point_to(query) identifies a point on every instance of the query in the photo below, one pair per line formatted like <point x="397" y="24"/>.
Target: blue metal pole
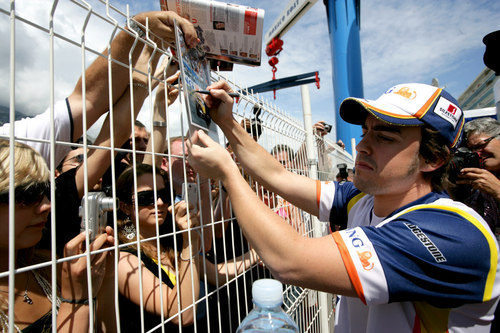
<point x="343" y="25"/>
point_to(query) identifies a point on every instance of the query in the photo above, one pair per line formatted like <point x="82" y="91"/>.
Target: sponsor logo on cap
<point x="405" y="92"/>
<point x="452" y="109"/>
<point x="448" y="111"/>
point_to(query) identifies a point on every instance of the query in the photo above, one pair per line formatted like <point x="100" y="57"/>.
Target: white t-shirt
<point x="431" y="266"/>
<point x="38" y="128"/>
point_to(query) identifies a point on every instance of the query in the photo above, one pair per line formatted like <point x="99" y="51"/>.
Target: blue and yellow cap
<point x="411" y="104"/>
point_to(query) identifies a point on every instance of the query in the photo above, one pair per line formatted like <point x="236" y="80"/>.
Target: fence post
<point x="319" y="229"/>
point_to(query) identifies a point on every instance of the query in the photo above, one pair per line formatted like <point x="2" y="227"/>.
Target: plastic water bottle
<point x="267" y="315"/>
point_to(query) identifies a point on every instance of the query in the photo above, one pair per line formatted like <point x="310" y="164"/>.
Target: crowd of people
<point x="404" y="257"/>
<point x="163" y="241"/>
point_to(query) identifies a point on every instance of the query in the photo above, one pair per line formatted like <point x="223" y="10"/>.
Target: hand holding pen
<point x="207" y="92"/>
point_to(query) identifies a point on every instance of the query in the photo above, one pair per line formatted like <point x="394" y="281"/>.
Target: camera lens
<point x="463" y="158"/>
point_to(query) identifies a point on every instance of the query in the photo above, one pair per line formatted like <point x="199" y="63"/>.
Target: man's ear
<point x="429" y="166"/>
<point x="164" y="164"/>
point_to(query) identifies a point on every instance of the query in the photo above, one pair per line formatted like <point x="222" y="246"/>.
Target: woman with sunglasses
<point x="174" y="255"/>
<point x="32" y="290"/>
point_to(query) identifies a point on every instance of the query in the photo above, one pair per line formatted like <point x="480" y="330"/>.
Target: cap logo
<point x="406" y="93"/>
<point x="448" y="111"/>
<point x="452" y="109"/>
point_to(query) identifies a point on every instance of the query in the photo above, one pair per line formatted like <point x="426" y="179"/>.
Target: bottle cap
<point x="267" y="292"/>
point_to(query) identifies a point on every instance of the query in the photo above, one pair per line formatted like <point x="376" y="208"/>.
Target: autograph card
<point x="195" y="75"/>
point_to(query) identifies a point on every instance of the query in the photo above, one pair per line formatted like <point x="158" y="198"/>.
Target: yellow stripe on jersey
<point x="354" y="200"/>
<point x="490" y="280"/>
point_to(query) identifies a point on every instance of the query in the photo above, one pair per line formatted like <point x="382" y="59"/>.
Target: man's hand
<point x="173" y="92"/>
<point x="482" y="180"/>
<point x="210" y="162"/>
<point x="171" y="68"/>
<point x="219" y="102"/>
<point x="161" y="23"/>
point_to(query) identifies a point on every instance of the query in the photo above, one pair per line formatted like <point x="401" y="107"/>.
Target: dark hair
<point x="253" y="127"/>
<point x="125" y="183"/>
<point x="433" y="148"/>
<point x="283" y="148"/>
<point x="124" y="192"/>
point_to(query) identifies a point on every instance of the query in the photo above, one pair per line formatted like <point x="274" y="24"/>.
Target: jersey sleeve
<point x="38" y="128"/>
<point x="444" y="257"/>
<point x="334" y="200"/>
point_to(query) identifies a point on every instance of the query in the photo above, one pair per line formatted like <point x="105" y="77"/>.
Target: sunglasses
<point x="29" y="194"/>
<point x="483" y="145"/>
<point x="147" y="198"/>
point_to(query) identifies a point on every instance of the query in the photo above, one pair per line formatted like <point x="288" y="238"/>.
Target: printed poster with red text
<point x="227" y="32"/>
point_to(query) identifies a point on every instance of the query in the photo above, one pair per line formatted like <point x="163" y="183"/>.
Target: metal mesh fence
<point x="167" y="270"/>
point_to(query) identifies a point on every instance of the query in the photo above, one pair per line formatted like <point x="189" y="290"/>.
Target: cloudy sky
<point x="401" y="41"/>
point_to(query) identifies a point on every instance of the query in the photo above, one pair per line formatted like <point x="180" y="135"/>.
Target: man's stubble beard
<point x="369" y="187"/>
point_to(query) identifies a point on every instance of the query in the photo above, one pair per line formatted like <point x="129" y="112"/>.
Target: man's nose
<point x="364" y="145"/>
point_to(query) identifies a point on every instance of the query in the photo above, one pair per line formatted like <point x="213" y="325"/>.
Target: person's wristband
<point x="140" y="85"/>
<point x="188" y="259"/>
<point x="84" y="301"/>
<point x="159" y="123"/>
<point x="135" y="27"/>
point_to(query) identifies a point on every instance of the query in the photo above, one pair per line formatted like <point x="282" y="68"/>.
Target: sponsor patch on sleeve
<point x="367" y="263"/>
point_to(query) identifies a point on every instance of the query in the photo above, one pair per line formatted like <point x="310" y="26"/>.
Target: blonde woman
<point x="32" y="290"/>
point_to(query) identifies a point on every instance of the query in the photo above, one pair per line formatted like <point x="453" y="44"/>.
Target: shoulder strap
<point x="151" y="264"/>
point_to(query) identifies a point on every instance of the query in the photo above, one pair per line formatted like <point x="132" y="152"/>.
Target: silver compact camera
<point x="98" y="204"/>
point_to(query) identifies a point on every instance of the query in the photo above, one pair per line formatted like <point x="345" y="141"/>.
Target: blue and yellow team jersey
<point x="430" y="266"/>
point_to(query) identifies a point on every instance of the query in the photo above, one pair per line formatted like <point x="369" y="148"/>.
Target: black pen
<point x="206" y="92"/>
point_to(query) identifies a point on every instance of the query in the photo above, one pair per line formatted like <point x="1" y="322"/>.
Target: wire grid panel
<point x="329" y="156"/>
<point x="167" y="270"/>
<point x="284" y="137"/>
